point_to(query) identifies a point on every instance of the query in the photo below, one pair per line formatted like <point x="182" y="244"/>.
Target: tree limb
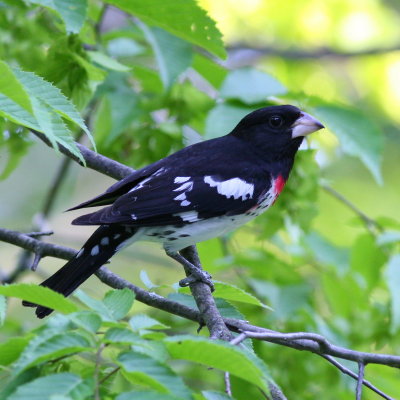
<point x="312" y="342"/>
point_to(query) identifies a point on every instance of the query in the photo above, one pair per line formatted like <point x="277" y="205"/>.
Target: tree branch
<point x="303" y="54"/>
<point x="312" y="342"/>
<point x="93" y="160"/>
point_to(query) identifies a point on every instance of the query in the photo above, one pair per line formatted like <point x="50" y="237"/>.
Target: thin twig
<point x="109" y="375"/>
<point x="347" y="371"/>
<point x="360" y="380"/>
<point x="369" y="222"/>
<point x="97" y="372"/>
<point x="228" y="388"/>
<point x="303" y="54"/>
<point x="36" y="234"/>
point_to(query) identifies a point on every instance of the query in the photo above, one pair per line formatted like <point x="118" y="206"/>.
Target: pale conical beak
<point x="304" y="125"/>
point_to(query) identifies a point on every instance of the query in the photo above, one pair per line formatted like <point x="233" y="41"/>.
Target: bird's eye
<point x="276" y="121"/>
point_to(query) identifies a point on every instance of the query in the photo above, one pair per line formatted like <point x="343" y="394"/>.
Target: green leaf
<point x="144" y="370"/>
<point x="211" y="395"/>
<point x="393" y="282"/>
<point x="3" y="309"/>
<point x="73" y="12"/>
<point x="39" y="295"/>
<point x="95" y="305"/>
<point x="52" y="96"/>
<point x="234" y="293"/>
<point x="221" y="355"/>
<point x="388" y="237"/>
<point x="173" y="55"/>
<point x="47" y="387"/>
<point x="146" y="280"/>
<point x="107" y="62"/>
<point x="119" y="302"/>
<point x="367" y="259"/>
<point x="145" y="395"/>
<point x="142" y="321"/>
<point x="54" y="128"/>
<point x="358" y="135"/>
<point x="10" y="87"/>
<point x="328" y="253"/>
<point x="210" y="70"/>
<point x="223" y="118"/>
<point x="121" y="335"/>
<point x="250" y="86"/>
<point x="51" y="344"/>
<point x="88" y="320"/>
<point x="183" y="18"/>
<point x="11" y="349"/>
<point x="16" y="146"/>
<point x="15" y="113"/>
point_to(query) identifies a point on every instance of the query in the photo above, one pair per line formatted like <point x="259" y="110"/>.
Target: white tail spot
<point x="95" y="250"/>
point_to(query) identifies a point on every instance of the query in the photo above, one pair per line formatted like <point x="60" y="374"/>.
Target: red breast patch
<point x="279" y="184"/>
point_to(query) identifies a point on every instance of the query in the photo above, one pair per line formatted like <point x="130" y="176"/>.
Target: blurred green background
<point x="311" y="258"/>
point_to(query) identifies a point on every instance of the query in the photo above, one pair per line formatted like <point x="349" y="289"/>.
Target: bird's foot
<point x="195" y="273"/>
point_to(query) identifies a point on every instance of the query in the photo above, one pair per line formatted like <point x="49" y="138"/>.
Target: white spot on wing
<point x="188" y="216"/>
<point x="182" y="196"/>
<point x="105" y="241"/>
<point x="185" y="203"/>
<point x="133" y="216"/>
<point x="181" y="179"/>
<point x="116" y="236"/>
<point x="95" y="250"/>
<point x="234" y="187"/>
<point x="188" y="186"/>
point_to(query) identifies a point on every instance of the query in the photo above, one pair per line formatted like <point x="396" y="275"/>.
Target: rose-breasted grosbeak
<point x="195" y="194"/>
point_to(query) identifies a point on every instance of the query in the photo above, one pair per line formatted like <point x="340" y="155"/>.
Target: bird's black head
<point x="276" y="132"/>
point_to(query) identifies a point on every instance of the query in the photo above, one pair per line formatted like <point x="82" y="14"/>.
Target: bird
<point x="197" y="193"/>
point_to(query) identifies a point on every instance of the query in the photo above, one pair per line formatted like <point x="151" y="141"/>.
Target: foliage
<point x="147" y="82"/>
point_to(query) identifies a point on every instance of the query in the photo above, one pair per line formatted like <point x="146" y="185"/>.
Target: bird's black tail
<point x="98" y="249"/>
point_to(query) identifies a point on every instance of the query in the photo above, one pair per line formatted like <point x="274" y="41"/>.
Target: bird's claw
<point x="197" y="275"/>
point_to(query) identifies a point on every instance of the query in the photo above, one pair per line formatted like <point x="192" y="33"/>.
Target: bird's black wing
<point x="121" y="187"/>
<point x="168" y="197"/>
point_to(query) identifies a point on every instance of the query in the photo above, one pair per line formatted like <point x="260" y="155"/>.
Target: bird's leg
<point x="195" y="273"/>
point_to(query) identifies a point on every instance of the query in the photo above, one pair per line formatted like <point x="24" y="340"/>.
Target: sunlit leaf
<point x="223" y="118"/>
<point x="11" y="87"/>
<point x="11" y="349"/>
<point x="73" y="12"/>
<point x="173" y="54"/>
<point x="358" y="134"/>
<point x="183" y="18"/>
<point x="250" y="86"/>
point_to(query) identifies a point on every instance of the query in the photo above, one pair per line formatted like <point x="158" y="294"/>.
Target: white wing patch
<point x="144" y="181"/>
<point x="186" y="186"/>
<point x="188" y="216"/>
<point x="234" y="187"/>
<point x="181" y="179"/>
